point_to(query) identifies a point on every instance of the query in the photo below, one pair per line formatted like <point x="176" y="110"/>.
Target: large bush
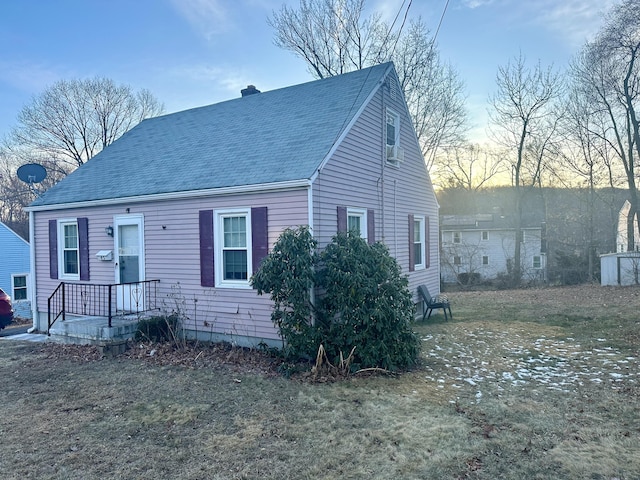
<point x="287" y="273"/>
<point x="362" y="300"/>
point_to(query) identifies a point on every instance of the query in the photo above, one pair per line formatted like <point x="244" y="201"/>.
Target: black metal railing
<point x="102" y="300"/>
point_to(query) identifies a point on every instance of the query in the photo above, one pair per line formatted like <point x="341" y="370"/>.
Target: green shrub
<point x="363" y="300"/>
<point x="366" y="305"/>
<point x="287" y="273"/>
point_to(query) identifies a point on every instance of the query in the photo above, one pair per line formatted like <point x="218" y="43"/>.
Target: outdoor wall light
<point x="109" y="230"/>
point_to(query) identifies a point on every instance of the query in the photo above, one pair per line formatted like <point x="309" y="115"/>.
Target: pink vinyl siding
<point x="172" y="255"/>
<point x="358" y="176"/>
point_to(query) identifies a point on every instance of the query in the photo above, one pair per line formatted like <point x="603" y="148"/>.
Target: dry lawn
<point x="521" y="385"/>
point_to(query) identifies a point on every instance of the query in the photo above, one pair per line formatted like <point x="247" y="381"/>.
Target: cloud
<point x="207" y="17"/>
<point x="477" y="3"/>
<point x="575" y="20"/>
<point x="29" y="77"/>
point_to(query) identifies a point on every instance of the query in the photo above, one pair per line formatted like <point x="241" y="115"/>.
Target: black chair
<point x="433" y="303"/>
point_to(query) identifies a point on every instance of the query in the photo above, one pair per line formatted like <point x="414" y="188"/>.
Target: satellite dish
<point x="32" y="173"/>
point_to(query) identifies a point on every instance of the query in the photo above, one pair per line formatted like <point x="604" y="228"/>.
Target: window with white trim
<point x="19" y="287"/>
<point x="233" y="247"/>
<point x="537" y="261"/>
<point x="69" y="250"/>
<point x="393" y="136"/>
<point x="485" y="260"/>
<point x="456" y="237"/>
<point x="457" y="260"/>
<point x="485" y="235"/>
<point x="419" y="254"/>
<point x="357" y="221"/>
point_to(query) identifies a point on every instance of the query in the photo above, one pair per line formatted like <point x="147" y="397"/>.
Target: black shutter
<point x="53" y="249"/>
<point x="259" y="236"/>
<point x="342" y="219"/>
<point x="207" y="276"/>
<point x="412" y="255"/>
<point x="427" y="243"/>
<point x="83" y="248"/>
<point x="371" y="226"/>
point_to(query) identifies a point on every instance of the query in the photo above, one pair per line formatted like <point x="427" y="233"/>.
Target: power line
<point x="446" y="5"/>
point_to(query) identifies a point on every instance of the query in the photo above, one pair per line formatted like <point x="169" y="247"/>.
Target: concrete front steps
<point x="85" y="330"/>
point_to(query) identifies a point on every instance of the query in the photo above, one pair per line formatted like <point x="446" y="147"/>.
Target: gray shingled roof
<point x="276" y="136"/>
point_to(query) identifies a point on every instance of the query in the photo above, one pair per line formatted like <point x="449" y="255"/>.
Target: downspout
<point x="383" y="151"/>
<point x="32" y="274"/>
<point x="312" y="290"/>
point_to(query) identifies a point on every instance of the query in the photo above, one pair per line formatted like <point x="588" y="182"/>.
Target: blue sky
<point x="191" y="53"/>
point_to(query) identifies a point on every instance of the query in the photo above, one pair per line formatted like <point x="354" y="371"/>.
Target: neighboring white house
<point x="14" y="270"/>
<point x="479" y="247"/>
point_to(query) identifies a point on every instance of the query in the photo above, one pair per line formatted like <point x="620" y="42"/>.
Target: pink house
<point x="178" y="213"/>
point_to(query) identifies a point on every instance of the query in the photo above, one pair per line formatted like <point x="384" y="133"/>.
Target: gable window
<point x="456" y="237"/>
<point x="485" y="235"/>
<point x="537" y="261"/>
<point x="19" y="287"/>
<point x="419" y="243"/>
<point x="69" y="250"/>
<point x="393" y="137"/>
<point x="485" y="260"/>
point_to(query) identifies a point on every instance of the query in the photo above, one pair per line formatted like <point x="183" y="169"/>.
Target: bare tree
<point x="524" y="120"/>
<point x="332" y="37"/>
<point x="608" y="73"/>
<point x="469" y="166"/>
<point x="73" y="120"/>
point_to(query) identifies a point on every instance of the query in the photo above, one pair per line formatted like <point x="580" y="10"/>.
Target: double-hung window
<point x="69" y="250"/>
<point x="393" y="136"/>
<point x="537" y="261"/>
<point x="234" y="247"/>
<point x="419" y="242"/>
<point x="456" y="237"/>
<point x="357" y="221"/>
<point x="19" y="287"/>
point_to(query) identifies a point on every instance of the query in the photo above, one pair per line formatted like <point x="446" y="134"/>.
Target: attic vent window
<point x="250" y="90"/>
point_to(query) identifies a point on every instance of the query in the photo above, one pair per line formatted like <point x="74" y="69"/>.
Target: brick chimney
<point x="250" y="90"/>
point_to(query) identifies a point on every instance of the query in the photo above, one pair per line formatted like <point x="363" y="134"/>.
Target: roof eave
<point x="192" y="194"/>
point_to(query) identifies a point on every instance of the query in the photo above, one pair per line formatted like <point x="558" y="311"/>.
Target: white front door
<point x="129" y="265"/>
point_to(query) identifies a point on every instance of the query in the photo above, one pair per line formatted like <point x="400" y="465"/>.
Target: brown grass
<point x="521" y="384"/>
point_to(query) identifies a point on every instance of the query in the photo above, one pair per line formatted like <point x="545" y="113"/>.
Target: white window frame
<point x="456" y="237"/>
<point x="483" y="260"/>
<point x="392" y="148"/>
<point x="61" y="249"/>
<point x="26" y="287"/>
<point x="361" y="214"/>
<point x="533" y="262"/>
<point x="419" y="225"/>
<point x="219" y="216"/>
<point x="484" y="235"/>
<point x="457" y="260"/>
